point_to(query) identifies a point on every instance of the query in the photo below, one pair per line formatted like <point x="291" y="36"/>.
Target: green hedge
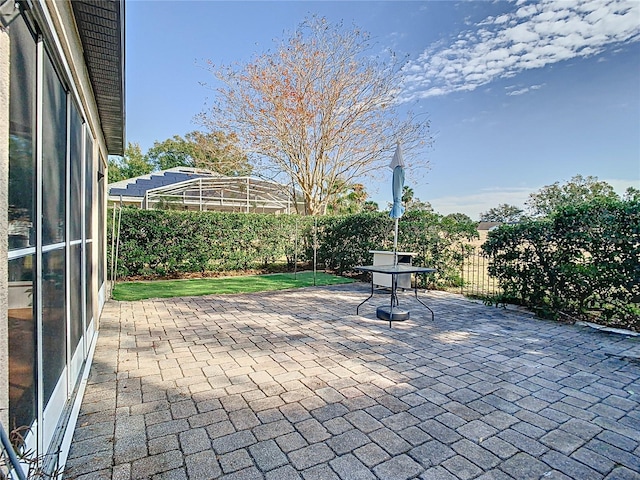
<point x="165" y="242"/>
<point x="438" y="241"/>
<point x="583" y="261"/>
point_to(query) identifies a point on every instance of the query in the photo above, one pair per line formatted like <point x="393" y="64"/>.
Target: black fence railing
<point x="474" y="272"/>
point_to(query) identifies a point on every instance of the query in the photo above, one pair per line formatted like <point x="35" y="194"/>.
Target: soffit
<point x="101" y="27"/>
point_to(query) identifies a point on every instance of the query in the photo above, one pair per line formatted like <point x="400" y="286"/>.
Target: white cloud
<point x="531" y="36"/>
<point x="522" y="91"/>
<point x="620" y="186"/>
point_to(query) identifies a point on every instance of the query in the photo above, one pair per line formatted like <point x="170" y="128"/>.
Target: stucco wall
<point x="4" y="187"/>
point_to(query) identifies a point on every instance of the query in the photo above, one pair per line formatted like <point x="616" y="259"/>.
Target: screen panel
<point x="54" y="140"/>
<point x="54" y="324"/>
<point x="22" y="342"/>
<point x="21" y="135"/>
<point x="75" y="174"/>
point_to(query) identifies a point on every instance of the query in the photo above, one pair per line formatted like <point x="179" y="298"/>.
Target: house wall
<point x="58" y="297"/>
<point x="4" y="173"/>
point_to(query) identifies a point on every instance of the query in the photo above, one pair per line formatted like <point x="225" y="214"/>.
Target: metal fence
<point x="474" y="272"/>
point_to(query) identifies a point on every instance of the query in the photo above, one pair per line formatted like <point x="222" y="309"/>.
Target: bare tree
<point x="320" y="109"/>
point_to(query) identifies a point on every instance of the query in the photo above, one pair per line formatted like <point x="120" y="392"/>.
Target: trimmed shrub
<point x="583" y="261"/>
<point x="166" y="243"/>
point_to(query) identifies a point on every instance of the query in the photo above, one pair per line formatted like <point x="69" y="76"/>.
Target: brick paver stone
<point x="401" y="467"/>
<point x="268" y="455"/>
<point x="347" y="442"/>
<point x="234" y="461"/>
<point x="463" y="468"/>
<point x="310" y="456"/>
<point x="234" y="441"/>
<point x="371" y="454"/>
<point x="349" y="467"/>
<point x="523" y="465"/>
<point x="320" y="472"/>
<point x="312" y="430"/>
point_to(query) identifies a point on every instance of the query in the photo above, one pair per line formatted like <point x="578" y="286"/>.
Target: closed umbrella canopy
<point x="397" y="164"/>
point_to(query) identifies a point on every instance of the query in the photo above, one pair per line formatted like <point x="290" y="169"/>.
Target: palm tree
<point x="407" y="195"/>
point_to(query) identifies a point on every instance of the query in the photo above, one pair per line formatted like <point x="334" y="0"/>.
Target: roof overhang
<point x="101" y="27"/>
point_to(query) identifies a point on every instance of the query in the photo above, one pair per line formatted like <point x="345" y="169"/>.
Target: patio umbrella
<point x="397" y="165"/>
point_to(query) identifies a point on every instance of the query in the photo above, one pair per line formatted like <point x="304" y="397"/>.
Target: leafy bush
<point x="582" y="261"/>
<point x="346" y="241"/>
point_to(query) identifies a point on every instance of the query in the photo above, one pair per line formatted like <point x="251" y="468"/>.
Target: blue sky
<point x="519" y="95"/>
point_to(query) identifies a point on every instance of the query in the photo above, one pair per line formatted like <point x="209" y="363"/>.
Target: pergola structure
<point x="193" y="189"/>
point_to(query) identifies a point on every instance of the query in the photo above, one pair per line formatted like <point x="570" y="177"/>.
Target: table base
<point x="397" y="315"/>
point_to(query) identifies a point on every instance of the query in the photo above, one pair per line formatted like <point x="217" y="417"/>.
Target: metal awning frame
<point x="240" y="194"/>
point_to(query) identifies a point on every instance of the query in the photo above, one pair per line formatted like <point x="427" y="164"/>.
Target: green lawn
<point x="214" y="286"/>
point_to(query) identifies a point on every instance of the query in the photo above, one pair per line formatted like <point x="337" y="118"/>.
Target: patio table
<point x="394" y="271"/>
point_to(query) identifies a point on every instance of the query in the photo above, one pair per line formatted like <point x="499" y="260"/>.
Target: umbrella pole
<point x="395" y="244"/>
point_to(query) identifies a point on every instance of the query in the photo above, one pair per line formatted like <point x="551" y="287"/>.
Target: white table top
<point x="400" y="268"/>
<point x="387" y="252"/>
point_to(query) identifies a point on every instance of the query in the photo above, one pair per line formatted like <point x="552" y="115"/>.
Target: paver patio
<point x="292" y="384"/>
